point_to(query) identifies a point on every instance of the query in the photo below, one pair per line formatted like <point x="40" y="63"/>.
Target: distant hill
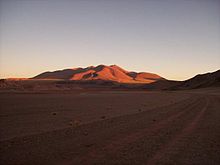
<point x="100" y="72"/>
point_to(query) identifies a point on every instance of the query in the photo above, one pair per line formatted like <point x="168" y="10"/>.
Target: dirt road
<point x="183" y="131"/>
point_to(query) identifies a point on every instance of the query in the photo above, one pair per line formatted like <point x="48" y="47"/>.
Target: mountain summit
<point x="101" y="72"/>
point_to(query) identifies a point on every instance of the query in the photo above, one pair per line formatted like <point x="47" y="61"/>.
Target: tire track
<point x="185" y="132"/>
<point x="119" y="142"/>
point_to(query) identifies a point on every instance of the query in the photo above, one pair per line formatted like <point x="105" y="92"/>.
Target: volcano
<point x="100" y="72"/>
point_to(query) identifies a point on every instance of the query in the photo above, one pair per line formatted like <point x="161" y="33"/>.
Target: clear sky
<point x="174" y="38"/>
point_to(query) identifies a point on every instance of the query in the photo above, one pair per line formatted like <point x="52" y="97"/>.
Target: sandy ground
<point x="181" y="127"/>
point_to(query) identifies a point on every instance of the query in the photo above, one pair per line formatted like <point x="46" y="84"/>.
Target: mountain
<point x="198" y="81"/>
<point x="101" y="72"/>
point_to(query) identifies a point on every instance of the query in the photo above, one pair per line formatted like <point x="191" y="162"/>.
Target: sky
<point x="176" y="39"/>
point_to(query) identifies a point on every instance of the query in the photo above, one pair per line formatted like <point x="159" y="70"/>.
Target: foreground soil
<point x="115" y="127"/>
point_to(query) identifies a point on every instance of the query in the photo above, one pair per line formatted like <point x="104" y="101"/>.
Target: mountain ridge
<point x="206" y="80"/>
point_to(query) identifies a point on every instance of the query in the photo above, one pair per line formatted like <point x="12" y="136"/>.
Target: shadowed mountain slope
<point x="202" y="81"/>
<point x="198" y="81"/>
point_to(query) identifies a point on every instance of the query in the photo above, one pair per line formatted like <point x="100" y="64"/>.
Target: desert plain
<point x="110" y="127"/>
